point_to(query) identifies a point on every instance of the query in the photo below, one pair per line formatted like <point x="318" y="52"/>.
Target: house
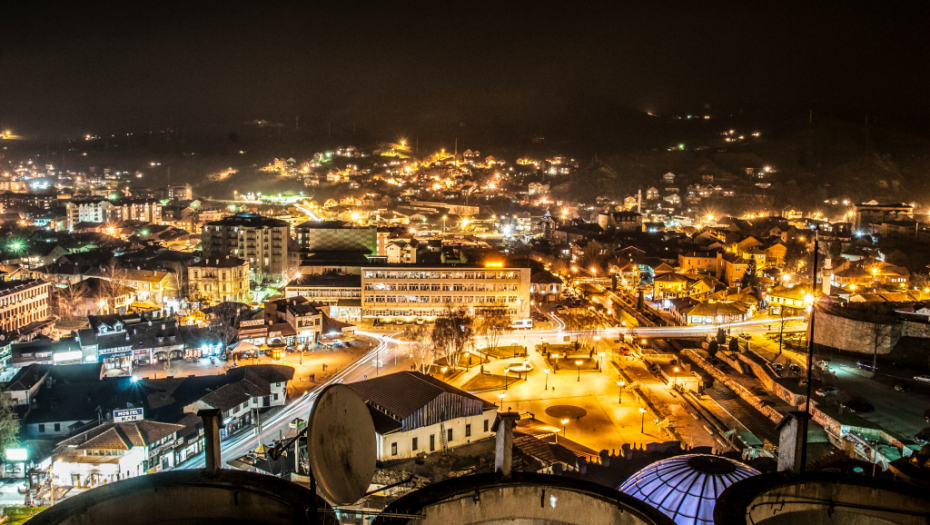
<point x="703" y="287"/>
<point x="701" y="262"/>
<point x="545" y="287"/>
<point x="122" y="342"/>
<point x="792" y="300"/>
<point x="652" y="194"/>
<point x="734" y="269"/>
<point x="417" y="414"/>
<point x="253" y="387"/>
<point x="114" y="451"/>
<point x="669" y="286"/>
<point x="715" y="313"/>
<point x="679" y="308"/>
<point x="402" y="251"/>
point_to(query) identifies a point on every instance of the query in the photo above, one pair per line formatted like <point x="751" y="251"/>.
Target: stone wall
<point x="916" y="329"/>
<point x="740" y="390"/>
<point x="853" y="335"/>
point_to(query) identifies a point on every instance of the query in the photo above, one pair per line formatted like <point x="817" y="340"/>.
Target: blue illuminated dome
<point x="685" y="488"/>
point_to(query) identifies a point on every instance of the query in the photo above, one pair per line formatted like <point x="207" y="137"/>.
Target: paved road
<point x="242" y="443"/>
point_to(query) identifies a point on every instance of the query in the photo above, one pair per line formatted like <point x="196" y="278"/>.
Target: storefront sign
<point x="128" y="415"/>
<point x="17" y="454"/>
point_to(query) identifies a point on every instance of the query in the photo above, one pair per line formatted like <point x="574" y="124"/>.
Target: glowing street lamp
<point x="547" y="379"/>
<point x="578" y="364"/>
<point x="676" y="375"/>
<point x="642" y="424"/>
<point x="564" y="422"/>
<point x="620" y="384"/>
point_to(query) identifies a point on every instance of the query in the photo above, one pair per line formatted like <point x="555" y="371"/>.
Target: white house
<point x="417" y="414"/>
<point x="114" y="451"/>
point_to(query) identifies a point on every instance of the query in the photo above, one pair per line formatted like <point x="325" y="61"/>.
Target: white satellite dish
<point x="341" y="445"/>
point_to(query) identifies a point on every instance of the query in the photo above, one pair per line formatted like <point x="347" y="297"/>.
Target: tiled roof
<point x="404" y="393"/>
<point x="121" y="436"/>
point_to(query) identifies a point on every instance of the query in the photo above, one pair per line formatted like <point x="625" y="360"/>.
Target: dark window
<point x="57" y="427"/>
<point x="467" y="430"/>
<point x="485" y="425"/>
<point x="432" y="442"/>
<point x="414" y="447"/>
<point x="393" y="449"/>
<point x="450" y="435"/>
<point x="41" y="427"/>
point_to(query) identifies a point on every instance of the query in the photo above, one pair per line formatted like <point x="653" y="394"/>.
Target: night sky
<point x="77" y="67"/>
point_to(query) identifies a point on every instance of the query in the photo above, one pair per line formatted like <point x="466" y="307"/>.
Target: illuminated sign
<point x="17" y="454"/>
<point x="128" y="415"/>
<point x="73" y="355"/>
<point x="493" y="265"/>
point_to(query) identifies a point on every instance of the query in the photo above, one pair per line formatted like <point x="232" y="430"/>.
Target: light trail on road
<point x="239" y="445"/>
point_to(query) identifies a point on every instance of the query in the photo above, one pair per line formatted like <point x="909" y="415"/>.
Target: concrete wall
<point x="404" y="440"/>
<point x="740" y="390"/>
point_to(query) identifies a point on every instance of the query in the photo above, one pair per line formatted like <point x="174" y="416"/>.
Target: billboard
<point x="128" y="415"/>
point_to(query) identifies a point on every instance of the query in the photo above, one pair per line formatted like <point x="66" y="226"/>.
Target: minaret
<point x="826" y="274"/>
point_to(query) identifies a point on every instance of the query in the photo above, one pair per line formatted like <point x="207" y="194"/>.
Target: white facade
<point x="465" y="430"/>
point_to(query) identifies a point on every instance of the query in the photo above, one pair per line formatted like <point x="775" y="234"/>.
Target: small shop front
<point x="117" y="363"/>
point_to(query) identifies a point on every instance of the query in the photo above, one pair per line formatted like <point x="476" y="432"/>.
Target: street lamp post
<point x="676" y="375"/>
<point x="578" y="364"/>
<point x="501" y="397"/>
<point x="506" y="379"/>
<point x="642" y="424"/>
<point x="620" y="384"/>
<point x="600" y="361"/>
<point x="443" y="224"/>
<point x="547" y="379"/>
<point x="564" y="422"/>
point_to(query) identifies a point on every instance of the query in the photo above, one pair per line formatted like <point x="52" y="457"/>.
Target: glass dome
<point x="685" y="488"/>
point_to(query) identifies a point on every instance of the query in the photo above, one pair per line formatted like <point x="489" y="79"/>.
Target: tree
<point x="881" y="328"/>
<point x="224" y="321"/>
<point x="734" y="345"/>
<point x="493" y="323"/>
<point x="712" y="347"/>
<point x="68" y="299"/>
<point x="750" y="278"/>
<point x="117" y="278"/>
<point x="422" y="352"/>
<point x="9" y="424"/>
<point x="452" y="334"/>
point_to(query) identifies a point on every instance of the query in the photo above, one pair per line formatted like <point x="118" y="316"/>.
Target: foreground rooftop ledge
<point x="524" y="498"/>
<point x="184" y="497"/>
<point x="821" y="497"/>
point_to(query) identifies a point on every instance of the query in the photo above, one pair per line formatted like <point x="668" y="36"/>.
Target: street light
<point x="501" y="397"/>
<point x="620" y="384"/>
<point x="578" y="364"/>
<point x="547" y="379"/>
<point x="600" y="356"/>
<point x="642" y="424"/>
<point x="443" y="224"/>
<point x="564" y="422"/>
<point x="676" y="375"/>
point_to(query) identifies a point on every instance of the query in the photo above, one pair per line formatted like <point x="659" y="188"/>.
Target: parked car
<point x="399" y="322"/>
<point x="803" y="382"/>
<point x="858" y="406"/>
<point x="778" y="367"/>
<point x="901" y="387"/>
<point x="419" y="321"/>
<point x="794" y="368"/>
<point x="922" y="379"/>
<point x="865" y="365"/>
<point x="745" y="336"/>
<point x="827" y="390"/>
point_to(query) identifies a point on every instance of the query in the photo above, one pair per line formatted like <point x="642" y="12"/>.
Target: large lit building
<point x="428" y="291"/>
<point x="261" y="241"/>
<point x="23" y="302"/>
<point x="219" y="279"/>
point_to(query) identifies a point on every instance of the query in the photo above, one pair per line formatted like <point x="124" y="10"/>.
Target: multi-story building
<point x="701" y="262"/>
<point x="145" y="210"/>
<point x="261" y="241"/>
<point x="153" y="286"/>
<point x="218" y="279"/>
<point x="93" y="210"/>
<point x="23" y="302"/>
<point x="428" y="291"/>
<point x="336" y="236"/>
<point x="306" y="319"/>
<point x="181" y="192"/>
<point x="122" y="342"/>
<point x="402" y="251"/>
<point x="325" y="289"/>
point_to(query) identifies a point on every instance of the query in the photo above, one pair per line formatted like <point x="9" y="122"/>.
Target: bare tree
<point x="68" y="299"/>
<point x="116" y="277"/>
<point x="492" y="324"/>
<point x="224" y="321"/>
<point x="452" y="334"/>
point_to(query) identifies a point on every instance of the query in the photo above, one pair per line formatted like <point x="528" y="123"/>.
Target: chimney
<point x="211" y="437"/>
<point x="792" y="434"/>
<point x="503" y="450"/>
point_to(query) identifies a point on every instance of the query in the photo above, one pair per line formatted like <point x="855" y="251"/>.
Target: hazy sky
<point x="89" y="66"/>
